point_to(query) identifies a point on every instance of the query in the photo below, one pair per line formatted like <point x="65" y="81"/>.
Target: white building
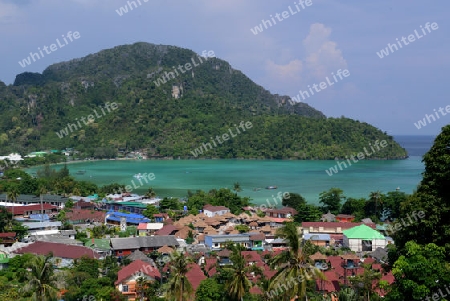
<point x="363" y="239"/>
<point x="211" y="211"/>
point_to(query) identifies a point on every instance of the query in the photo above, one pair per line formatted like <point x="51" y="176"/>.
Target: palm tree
<point x="239" y="284"/>
<point x="179" y="287"/>
<point x="76" y="192"/>
<point x="12" y="193"/>
<point x="375" y="197"/>
<point x="293" y="266"/>
<point x="150" y="193"/>
<point x="348" y="294"/>
<point x="237" y="187"/>
<point x="141" y="284"/>
<point x="42" y="191"/>
<point x="41" y="279"/>
<point x="364" y="283"/>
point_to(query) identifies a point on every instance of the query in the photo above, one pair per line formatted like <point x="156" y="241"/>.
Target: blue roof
<point x="313" y="236"/>
<point x="127" y="215"/>
<point x="130" y="217"/>
<point x="39" y="217"/>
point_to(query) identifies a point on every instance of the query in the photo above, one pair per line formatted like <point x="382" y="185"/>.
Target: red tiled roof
<point x="166" y="230"/>
<point x="388" y="277"/>
<point x="251" y="256"/>
<point x="257" y="237"/>
<point x="82" y="204"/>
<point x="369" y="260"/>
<point x="58" y="250"/>
<point x="137" y="266"/>
<point x="334" y="225"/>
<point x="7" y="234"/>
<point x="195" y="275"/>
<point x="214" y="208"/>
<point x="279" y="219"/>
<point x="83" y="214"/>
<point x="283" y="210"/>
<point x="345" y="216"/>
<point x="255" y="290"/>
<point x="20" y="210"/>
<point x="329" y="285"/>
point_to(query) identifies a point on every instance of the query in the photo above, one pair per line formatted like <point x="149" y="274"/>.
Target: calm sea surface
<point x="176" y="177"/>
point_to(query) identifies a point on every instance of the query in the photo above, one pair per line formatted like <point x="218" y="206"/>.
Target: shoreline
<point x="211" y="159"/>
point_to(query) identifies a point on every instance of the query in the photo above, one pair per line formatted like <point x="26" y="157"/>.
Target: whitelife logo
<point x="423" y="122"/>
<point x="71" y="126"/>
<point x="53" y="47"/>
<point x="166" y="77"/>
<point x="124" y="9"/>
<point x="411" y="38"/>
<point x="280" y="17"/>
<point x="361" y="156"/>
<point x="225" y="137"/>
<point x="321" y="86"/>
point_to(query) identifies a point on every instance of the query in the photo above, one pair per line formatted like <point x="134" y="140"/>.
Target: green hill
<point x="170" y="118"/>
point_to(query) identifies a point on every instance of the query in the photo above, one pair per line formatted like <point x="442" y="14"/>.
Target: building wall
<point x="211" y="213"/>
<point x="356" y="245"/>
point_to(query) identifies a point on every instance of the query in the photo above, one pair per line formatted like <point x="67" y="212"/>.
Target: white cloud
<point x="323" y="56"/>
<point x="279" y="73"/>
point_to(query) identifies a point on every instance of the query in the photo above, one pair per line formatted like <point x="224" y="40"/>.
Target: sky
<point x="301" y="43"/>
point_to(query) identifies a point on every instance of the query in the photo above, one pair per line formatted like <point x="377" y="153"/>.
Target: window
<point x="125" y="288"/>
<point x="366" y="245"/>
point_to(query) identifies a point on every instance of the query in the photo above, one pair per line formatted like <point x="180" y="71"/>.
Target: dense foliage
<point x="213" y="99"/>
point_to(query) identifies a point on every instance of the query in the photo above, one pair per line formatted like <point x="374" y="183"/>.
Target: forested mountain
<point x="169" y="114"/>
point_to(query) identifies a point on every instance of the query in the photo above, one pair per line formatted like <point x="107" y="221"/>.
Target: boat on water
<point x="80" y="172"/>
<point x="138" y="176"/>
<point x="271" y="187"/>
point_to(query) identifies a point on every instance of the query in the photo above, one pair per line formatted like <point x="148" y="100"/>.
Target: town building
<point x="145" y="244"/>
<point x="363" y="239"/>
<point x="210" y="210"/>
<point x="126" y="282"/>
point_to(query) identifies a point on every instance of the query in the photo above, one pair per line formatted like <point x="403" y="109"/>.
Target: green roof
<point x="133" y="204"/>
<point x="362" y="232"/>
<point x="102" y="244"/>
<point x="4" y="258"/>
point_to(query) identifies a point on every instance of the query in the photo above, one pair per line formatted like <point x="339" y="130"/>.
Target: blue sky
<point x="391" y="93"/>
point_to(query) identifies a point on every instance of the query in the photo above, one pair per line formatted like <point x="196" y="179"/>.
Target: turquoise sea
<point x="176" y="177"/>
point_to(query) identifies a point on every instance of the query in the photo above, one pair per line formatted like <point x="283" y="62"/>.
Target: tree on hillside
<point x="432" y="197"/>
<point x="331" y="200"/>
<point x="421" y="272"/>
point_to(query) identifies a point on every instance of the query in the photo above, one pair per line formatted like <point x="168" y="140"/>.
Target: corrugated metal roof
<point x="143" y="242"/>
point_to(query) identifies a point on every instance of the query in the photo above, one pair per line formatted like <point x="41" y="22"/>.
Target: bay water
<point x="308" y="178"/>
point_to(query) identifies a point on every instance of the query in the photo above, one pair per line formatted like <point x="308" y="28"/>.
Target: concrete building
<point x="363" y="239"/>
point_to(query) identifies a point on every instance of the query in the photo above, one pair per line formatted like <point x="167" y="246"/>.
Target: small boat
<point x="138" y="176"/>
<point x="80" y="172"/>
<point x="271" y="187"/>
